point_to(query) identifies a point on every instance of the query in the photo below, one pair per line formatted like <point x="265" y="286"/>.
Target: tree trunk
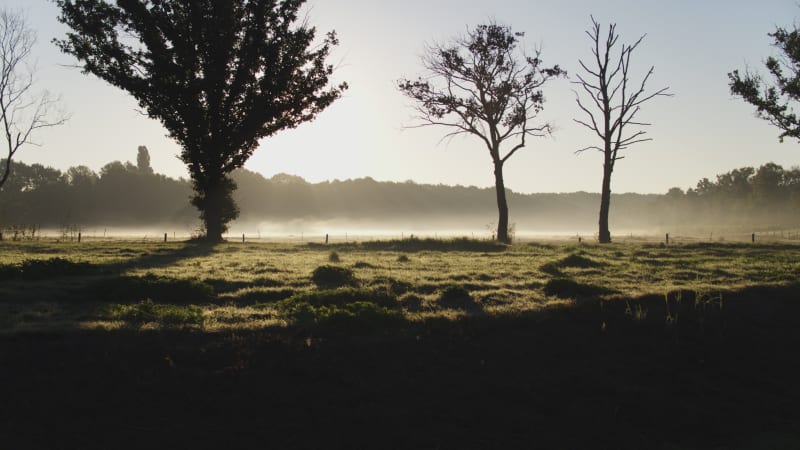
<point x="502" y="204"/>
<point x="605" y="204"/>
<point x="212" y="214"/>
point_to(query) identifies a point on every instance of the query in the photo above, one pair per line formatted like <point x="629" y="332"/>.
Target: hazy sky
<point x="693" y="44"/>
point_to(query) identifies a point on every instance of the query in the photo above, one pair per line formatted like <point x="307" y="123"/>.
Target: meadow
<point x="411" y="343"/>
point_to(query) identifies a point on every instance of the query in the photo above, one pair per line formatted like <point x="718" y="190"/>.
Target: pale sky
<point x="700" y="132"/>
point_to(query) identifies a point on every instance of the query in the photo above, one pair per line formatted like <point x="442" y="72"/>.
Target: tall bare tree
<point x="23" y="110"/>
<point x="481" y="84"/>
<point x="614" y="102"/>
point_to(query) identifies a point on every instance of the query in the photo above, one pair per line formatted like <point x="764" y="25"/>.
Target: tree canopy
<point x="219" y="76"/>
<point x="481" y="84"/>
<point x="774" y="102"/>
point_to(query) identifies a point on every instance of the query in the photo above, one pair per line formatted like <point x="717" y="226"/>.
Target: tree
<point x="219" y="75"/>
<point x="23" y="111"/>
<point x="143" y="161"/>
<point x="482" y="85"/>
<point x="772" y="102"/>
<point x="615" y="102"/>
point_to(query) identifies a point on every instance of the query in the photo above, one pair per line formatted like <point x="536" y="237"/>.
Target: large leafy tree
<point x="611" y="103"/>
<point x="481" y="84"/>
<point x="219" y="75"/>
<point x="773" y="102"/>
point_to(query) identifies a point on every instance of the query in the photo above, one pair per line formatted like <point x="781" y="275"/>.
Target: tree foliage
<point x="613" y="102"/>
<point x="482" y="84"/>
<point x="219" y="76"/>
<point x="774" y="102"/>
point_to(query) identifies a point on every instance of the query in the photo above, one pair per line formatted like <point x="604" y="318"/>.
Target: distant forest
<point x="131" y="195"/>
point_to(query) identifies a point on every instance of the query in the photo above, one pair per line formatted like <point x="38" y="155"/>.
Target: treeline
<point x="766" y="197"/>
<point x="133" y="195"/>
<point x="121" y="194"/>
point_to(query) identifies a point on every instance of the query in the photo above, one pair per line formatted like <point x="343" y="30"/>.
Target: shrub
<point x="334" y="257"/>
<point x="330" y="277"/>
<point x="403" y="259"/>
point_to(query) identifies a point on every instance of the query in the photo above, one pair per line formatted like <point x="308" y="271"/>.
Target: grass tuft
<point x="455" y="296"/>
<point x="331" y="277"/>
<point x="40" y="269"/>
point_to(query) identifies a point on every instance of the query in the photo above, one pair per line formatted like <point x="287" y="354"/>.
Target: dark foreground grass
<point x="620" y="347"/>
<point x="553" y="379"/>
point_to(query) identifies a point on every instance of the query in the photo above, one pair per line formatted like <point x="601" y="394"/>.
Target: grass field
<point x="414" y="343"/>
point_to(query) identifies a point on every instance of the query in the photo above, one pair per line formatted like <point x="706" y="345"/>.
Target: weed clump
<point x="128" y="289"/>
<point x="403" y="259"/>
<point x="147" y="311"/>
<point x="331" y="277"/>
<point x="342" y="310"/>
<point x="392" y="286"/>
<point x="334" y="257"/>
<point x="411" y="303"/>
<point x="40" y="269"/>
<point x="575" y="261"/>
<point x="455" y="296"/>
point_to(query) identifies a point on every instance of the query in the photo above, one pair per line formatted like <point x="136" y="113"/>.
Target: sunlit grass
<point x="113" y="284"/>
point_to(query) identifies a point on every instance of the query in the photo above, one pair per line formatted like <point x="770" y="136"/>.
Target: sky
<point x="699" y="132"/>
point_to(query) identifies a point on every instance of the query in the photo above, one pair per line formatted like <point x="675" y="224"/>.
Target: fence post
<point x="667" y="238"/>
<point x="242" y="238"/>
<point x="753" y="238"/>
<point x="79" y="237"/>
<point x="1" y="236"/>
<point x="165" y="237"/>
<point x="326" y="238"/>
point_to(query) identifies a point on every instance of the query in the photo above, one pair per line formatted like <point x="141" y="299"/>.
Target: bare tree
<point x="615" y="102"/>
<point x="23" y="110"/>
<point x="482" y="85"/>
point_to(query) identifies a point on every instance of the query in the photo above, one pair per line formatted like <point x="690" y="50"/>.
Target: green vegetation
<point x="271" y="283"/>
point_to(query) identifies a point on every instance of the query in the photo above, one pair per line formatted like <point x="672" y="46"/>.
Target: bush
<point x="331" y="277"/>
<point x="334" y="257"/>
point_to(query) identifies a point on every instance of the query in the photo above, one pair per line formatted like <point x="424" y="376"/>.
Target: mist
<point x="126" y="200"/>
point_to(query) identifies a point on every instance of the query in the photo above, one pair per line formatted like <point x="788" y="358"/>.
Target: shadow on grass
<point x="412" y="245"/>
<point x="515" y="381"/>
